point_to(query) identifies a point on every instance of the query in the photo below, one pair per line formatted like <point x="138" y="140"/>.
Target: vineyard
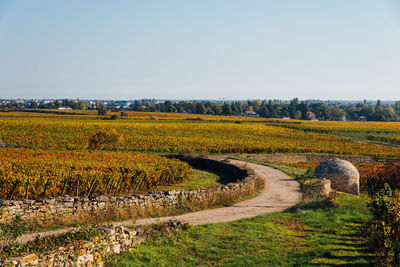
<point x="44" y="155"/>
<point x="27" y="173"/>
<point x="174" y="136"/>
<point x="131" y="116"/>
<point x="384" y="132"/>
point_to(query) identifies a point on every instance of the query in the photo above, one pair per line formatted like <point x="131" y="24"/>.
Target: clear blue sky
<point x="208" y="49"/>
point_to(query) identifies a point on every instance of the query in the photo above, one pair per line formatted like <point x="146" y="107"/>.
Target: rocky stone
<point x="107" y="231"/>
<point x="85" y="253"/>
<point x="343" y="175"/>
<point x="324" y="188"/>
<point x="30" y="258"/>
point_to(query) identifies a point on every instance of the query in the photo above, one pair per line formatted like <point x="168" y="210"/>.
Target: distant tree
<point x="50" y="105"/>
<point x="389" y="114"/>
<point x="217" y="109"/>
<point x="303" y="108"/>
<point x="171" y="108"/>
<point x="34" y="105"/>
<point x="293" y="107"/>
<point x="239" y="108"/>
<point x="165" y="107"/>
<point x="298" y="115"/>
<point x="101" y="110"/>
<point x="65" y="102"/>
<point x="234" y="109"/>
<point x="200" y="108"/>
<point x="263" y="111"/>
<point x="337" y="114"/>
<point x="226" y="109"/>
<point x="397" y="105"/>
<point x="378" y="111"/>
<point x="256" y="103"/>
<point x="106" y="140"/>
<point x="180" y="108"/>
<point x="82" y="105"/>
<point x="191" y="107"/>
<point x="378" y="104"/>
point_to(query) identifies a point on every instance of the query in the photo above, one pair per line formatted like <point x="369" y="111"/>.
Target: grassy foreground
<point x="311" y="233"/>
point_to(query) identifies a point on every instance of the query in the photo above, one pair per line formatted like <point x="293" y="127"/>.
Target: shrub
<point x="375" y="178"/>
<point x="115" y="117"/>
<point x="310" y="185"/>
<point x="384" y="232"/>
<point x="9" y="233"/>
<point x="106" y="140"/>
<point x="101" y="111"/>
<point x="153" y="118"/>
<point x="307" y="175"/>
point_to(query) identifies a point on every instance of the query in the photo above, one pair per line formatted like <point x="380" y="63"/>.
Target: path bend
<point x="280" y="193"/>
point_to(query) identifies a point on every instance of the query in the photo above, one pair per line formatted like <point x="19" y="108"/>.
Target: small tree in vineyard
<point x="106" y="140"/>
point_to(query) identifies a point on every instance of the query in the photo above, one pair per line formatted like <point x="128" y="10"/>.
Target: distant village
<point x="284" y="109"/>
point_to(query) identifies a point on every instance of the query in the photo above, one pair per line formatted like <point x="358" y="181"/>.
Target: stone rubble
<point x="86" y="253"/>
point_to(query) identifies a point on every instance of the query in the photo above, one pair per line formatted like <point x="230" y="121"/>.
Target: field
<point x="310" y="234"/>
<point x="26" y="173"/>
<point x="173" y="136"/>
<point x="132" y="116"/>
<point x="382" y="132"/>
<point x="49" y="155"/>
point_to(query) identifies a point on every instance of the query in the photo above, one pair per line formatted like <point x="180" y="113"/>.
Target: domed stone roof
<point x="343" y="175"/>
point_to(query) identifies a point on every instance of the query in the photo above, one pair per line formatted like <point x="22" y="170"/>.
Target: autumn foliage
<point x="106" y="140"/>
<point x="172" y="137"/>
<point x="384" y="231"/>
<point x="27" y="173"/>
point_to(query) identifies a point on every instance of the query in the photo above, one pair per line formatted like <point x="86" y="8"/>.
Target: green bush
<point x="106" y="140"/>
<point x="114" y="117"/>
<point x="384" y="231"/>
<point x="307" y="175"/>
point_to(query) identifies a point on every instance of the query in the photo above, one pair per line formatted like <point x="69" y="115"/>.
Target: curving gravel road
<point x="280" y="192"/>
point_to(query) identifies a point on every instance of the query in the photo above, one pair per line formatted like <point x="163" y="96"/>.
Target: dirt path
<point x="280" y="192"/>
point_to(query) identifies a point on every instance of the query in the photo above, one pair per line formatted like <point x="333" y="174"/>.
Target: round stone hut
<point x="343" y="175"/>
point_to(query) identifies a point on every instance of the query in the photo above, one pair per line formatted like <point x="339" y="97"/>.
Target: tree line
<point x="294" y="109"/>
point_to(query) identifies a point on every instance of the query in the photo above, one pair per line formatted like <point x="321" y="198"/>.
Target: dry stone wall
<point x="295" y="158"/>
<point x="67" y="209"/>
<point x="85" y="253"/>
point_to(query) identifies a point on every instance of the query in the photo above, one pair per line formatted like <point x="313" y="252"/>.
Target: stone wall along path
<point x="280" y="193"/>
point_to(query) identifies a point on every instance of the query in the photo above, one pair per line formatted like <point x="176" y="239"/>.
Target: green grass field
<point x="196" y="180"/>
<point x="310" y="234"/>
<point x="313" y="233"/>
